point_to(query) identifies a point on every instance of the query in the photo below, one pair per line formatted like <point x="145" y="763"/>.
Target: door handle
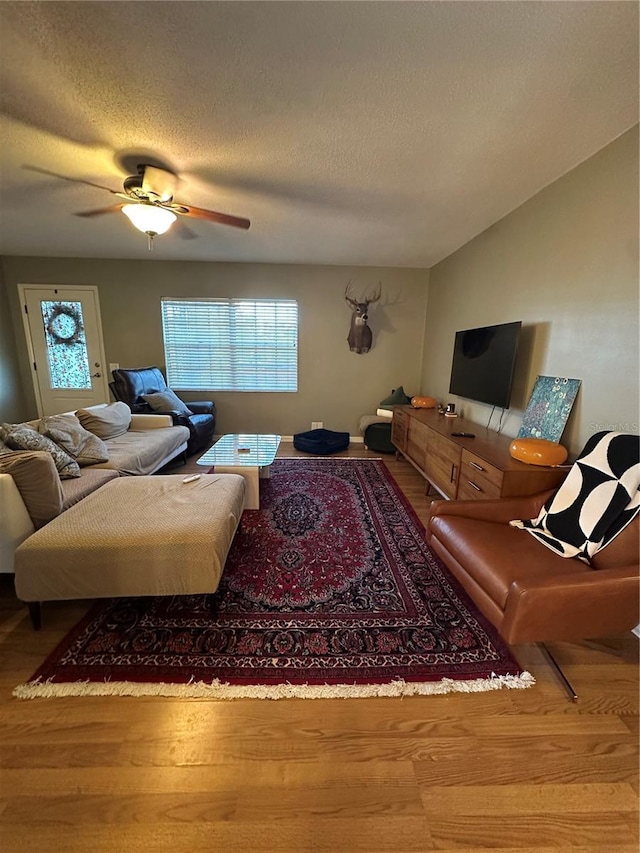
<point x="96" y="374"/>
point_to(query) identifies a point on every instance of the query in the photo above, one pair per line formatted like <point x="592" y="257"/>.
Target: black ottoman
<point x="377" y="437"/>
<point x="322" y="442"/>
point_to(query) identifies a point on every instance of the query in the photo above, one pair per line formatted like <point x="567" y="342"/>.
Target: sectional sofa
<point x="32" y="489"/>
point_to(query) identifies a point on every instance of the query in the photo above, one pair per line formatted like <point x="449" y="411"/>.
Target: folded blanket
<point x="600" y="496"/>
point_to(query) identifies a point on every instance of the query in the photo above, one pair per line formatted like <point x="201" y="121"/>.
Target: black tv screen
<point x="483" y="363"/>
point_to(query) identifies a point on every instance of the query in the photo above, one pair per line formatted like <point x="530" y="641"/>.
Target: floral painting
<point x="549" y="407"/>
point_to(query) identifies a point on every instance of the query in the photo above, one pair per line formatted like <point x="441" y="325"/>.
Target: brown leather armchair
<point x="530" y="593"/>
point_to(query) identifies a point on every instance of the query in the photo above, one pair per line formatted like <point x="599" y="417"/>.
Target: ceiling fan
<point x="150" y="205"/>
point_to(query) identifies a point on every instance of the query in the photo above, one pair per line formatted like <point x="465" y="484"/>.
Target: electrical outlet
<point x="316" y="424"/>
<point x="113" y="365"/>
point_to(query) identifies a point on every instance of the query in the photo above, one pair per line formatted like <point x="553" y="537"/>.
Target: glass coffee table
<point x="247" y="455"/>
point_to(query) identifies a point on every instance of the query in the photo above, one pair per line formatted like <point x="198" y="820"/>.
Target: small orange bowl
<point x="419" y="402"/>
<point x="538" y="451"/>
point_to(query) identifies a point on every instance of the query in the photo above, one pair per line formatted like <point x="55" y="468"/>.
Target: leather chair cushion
<point x="496" y="555"/>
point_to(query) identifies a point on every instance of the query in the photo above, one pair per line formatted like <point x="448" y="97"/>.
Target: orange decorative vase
<point x="538" y="451"/>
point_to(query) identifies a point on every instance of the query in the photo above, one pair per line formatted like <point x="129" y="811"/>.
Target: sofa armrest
<point x="594" y="603"/>
<point x="500" y="511"/>
<point x="15" y="521"/>
<point x="142" y="422"/>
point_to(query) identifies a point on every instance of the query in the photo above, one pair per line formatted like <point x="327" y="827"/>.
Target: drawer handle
<point x="473" y="486"/>
<point x="476" y="466"/>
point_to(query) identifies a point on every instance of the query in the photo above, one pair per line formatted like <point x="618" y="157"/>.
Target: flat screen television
<point x="483" y="363"/>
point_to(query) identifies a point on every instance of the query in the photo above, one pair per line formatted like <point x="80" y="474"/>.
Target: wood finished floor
<point x="505" y="771"/>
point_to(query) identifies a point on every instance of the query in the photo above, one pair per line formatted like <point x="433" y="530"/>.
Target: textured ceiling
<point x="384" y="134"/>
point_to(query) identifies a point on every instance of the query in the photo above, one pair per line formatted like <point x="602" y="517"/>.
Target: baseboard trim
<point x="354" y="439"/>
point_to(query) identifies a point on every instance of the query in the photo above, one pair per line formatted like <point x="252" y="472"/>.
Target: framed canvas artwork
<point x="549" y="407"/>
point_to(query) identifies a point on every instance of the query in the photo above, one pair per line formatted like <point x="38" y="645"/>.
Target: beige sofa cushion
<point x="143" y="451"/>
<point x="69" y="434"/>
<point x="91" y="479"/>
<point x="106" y="422"/>
<point x="35" y="475"/>
<point x="135" y="536"/>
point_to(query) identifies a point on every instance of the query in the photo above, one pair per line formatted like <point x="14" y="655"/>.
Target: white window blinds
<point x="231" y="344"/>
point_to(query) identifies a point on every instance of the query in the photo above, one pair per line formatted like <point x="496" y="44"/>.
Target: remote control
<point x="192" y="478"/>
<point x="464" y="434"/>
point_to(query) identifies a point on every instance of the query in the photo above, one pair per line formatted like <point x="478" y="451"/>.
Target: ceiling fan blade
<point x="99" y="211"/>
<point x="211" y="215"/>
<point x="67" y="178"/>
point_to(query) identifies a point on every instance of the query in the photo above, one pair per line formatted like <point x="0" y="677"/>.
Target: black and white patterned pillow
<point x="599" y="498"/>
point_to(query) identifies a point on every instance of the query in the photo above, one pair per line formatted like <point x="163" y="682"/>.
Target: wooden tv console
<point x="466" y="468"/>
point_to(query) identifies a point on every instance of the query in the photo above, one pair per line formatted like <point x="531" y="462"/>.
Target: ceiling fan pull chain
<point x="150" y="241"/>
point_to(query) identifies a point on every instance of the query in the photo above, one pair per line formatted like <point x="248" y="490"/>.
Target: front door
<point x="64" y="337"/>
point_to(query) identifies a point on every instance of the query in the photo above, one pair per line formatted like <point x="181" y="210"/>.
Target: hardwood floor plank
<point x="311" y="835"/>
<point x="524" y="831"/>
<point x="511" y="801"/>
<point x="264" y="775"/>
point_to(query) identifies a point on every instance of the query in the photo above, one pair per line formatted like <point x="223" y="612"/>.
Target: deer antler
<point x="376" y="294"/>
<point x="348" y="296"/>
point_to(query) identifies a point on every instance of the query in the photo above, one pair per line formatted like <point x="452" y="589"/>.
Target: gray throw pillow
<point x="36" y="477"/>
<point x="166" y="403"/>
<point x="106" y="421"/>
<point x="69" y="434"/>
<point x="22" y="437"/>
<point x="398" y="397"/>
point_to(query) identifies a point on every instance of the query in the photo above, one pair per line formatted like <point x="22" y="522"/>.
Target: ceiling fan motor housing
<point x="133" y="186"/>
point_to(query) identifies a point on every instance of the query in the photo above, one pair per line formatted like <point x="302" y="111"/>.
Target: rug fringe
<point x="220" y="690"/>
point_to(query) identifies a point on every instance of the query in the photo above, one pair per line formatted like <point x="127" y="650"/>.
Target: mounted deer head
<point x="360" y="336"/>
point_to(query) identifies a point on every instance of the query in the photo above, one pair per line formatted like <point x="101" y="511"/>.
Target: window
<point x="231" y="344"/>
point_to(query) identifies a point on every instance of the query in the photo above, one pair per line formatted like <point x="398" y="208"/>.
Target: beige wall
<point x="566" y="264"/>
<point x="12" y="401"/>
<point x="336" y="386"/>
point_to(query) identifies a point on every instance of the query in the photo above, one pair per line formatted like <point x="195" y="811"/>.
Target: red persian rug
<point x="329" y="590"/>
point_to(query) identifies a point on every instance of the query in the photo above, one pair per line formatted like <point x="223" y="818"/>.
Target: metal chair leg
<point x="567" y="684"/>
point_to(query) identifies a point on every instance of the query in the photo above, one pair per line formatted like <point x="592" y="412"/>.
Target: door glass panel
<point x="66" y="344"/>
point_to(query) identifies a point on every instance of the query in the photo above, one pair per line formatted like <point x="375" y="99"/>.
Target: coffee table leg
<point x="251" y="475"/>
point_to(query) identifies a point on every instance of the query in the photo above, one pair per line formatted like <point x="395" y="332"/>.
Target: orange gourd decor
<point x="424" y="402"/>
<point x="538" y="451"/>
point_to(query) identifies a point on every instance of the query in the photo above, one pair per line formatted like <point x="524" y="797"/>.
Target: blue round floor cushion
<point x="321" y="442"/>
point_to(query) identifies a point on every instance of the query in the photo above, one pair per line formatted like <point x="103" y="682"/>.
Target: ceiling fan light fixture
<point x="148" y="218"/>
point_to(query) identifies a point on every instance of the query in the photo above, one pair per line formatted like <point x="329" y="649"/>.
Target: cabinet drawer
<point x="418" y="434"/>
<point x="399" y="429"/>
<point x="478" y="479"/>
<point x="417" y="442"/>
<point x="443" y="464"/>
